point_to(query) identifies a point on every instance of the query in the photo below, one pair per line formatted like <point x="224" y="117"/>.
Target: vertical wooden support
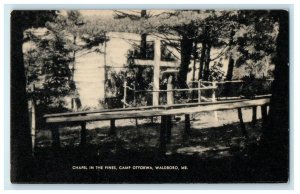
<point x="214" y="92"/>
<point x="199" y="90"/>
<point x="134" y="96"/>
<point x="254" y="115"/>
<point x="187" y="124"/>
<point x="242" y="124"/>
<point x="83" y="134"/>
<point x="112" y="127"/>
<point x="125" y="94"/>
<point x="162" y="143"/>
<point x="214" y="100"/>
<point x="170" y="94"/>
<point x="163" y="130"/>
<point x="156" y="70"/>
<point x="168" y="128"/>
<point x="170" y="101"/>
<point x="136" y="122"/>
<point x="134" y="103"/>
<point x="264" y="115"/>
<point x="33" y="121"/>
<point x="55" y="136"/>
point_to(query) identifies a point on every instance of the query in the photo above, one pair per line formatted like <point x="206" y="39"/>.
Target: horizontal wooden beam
<point x="160" y="112"/>
<point x="149" y="107"/>
<point x="179" y="90"/>
<point x="151" y="63"/>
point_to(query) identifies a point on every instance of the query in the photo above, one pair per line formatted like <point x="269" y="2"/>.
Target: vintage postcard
<point x="149" y="96"/>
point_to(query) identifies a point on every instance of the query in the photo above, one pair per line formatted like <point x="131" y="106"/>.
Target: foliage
<point x="47" y="64"/>
<point x="216" y="73"/>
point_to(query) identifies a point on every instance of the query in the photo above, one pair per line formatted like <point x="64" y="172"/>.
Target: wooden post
<point x="199" y="90"/>
<point x="170" y="94"/>
<point x="55" y="136"/>
<point x="83" y="134"/>
<point x="168" y="128"/>
<point x="134" y="103"/>
<point x="187" y="124"/>
<point x="214" y="100"/>
<point x="170" y="101"/>
<point x="156" y="70"/>
<point x="254" y="114"/>
<point x="242" y="124"/>
<point x="33" y="121"/>
<point x="163" y="130"/>
<point x="125" y="94"/>
<point x="214" y="92"/>
<point x="162" y="144"/>
<point x="112" y="127"/>
<point x="134" y="96"/>
<point x="264" y="115"/>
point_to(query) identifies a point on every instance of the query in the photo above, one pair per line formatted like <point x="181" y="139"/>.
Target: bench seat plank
<point x="177" y="110"/>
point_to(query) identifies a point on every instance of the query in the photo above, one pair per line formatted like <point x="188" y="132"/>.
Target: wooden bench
<point x="164" y="111"/>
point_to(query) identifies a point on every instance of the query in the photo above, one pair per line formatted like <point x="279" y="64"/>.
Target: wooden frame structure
<point x="164" y="111"/>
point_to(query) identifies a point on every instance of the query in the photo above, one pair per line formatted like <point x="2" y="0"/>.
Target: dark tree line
<point x="208" y="29"/>
<point x="21" y="153"/>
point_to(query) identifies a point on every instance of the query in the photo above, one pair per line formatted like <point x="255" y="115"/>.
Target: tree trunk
<point x="206" y="65"/>
<point x="278" y="119"/>
<point x="186" y="51"/>
<point x="230" y="68"/>
<point x="231" y="63"/>
<point x="75" y="102"/>
<point x="20" y="129"/>
<point x="228" y="85"/>
<point x="230" y="60"/>
<point x="202" y="58"/>
<point x="194" y="68"/>
<point x="143" y="38"/>
<point x="275" y="138"/>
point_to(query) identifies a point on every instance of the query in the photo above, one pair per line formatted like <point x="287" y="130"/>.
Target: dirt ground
<point x="211" y="135"/>
<point x="214" y="152"/>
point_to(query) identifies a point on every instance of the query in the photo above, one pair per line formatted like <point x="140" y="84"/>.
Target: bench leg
<point x="163" y="129"/>
<point x="168" y="128"/>
<point x="242" y="124"/>
<point x="264" y="115"/>
<point x="83" y="134"/>
<point x="112" y="127"/>
<point x="187" y="124"/>
<point x="55" y="136"/>
<point x="254" y="115"/>
<point x="162" y="145"/>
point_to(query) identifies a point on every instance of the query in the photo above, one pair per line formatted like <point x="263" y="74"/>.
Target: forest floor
<point x="214" y="152"/>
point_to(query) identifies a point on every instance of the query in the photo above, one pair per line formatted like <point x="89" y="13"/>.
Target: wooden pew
<point x="165" y="111"/>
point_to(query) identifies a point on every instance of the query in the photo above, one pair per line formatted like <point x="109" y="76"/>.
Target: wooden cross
<point x="156" y="63"/>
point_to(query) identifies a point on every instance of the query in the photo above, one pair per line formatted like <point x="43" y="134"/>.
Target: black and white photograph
<point x="150" y="96"/>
